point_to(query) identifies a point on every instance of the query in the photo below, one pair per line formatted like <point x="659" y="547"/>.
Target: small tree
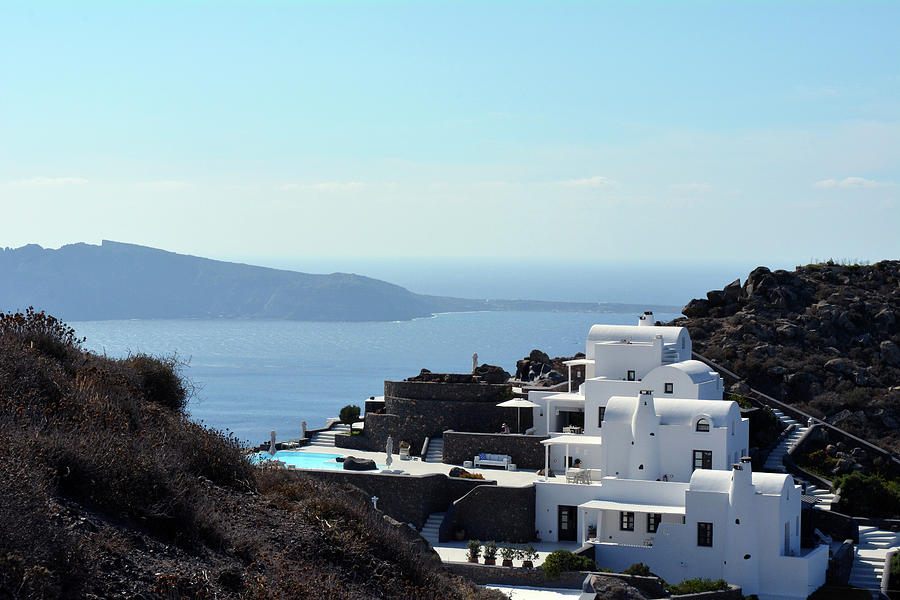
<point x="490" y="552"/>
<point x="349" y="414"/>
<point x="474" y="547"/>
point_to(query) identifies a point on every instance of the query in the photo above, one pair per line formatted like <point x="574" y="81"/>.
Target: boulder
<point x="839" y="365"/>
<point x="732" y="291"/>
<point x="351" y="463"/>
<point x="843" y="467"/>
<point x="457" y="471"/>
<point x="696" y="308"/>
<point x="890" y="353"/>
<point x="492" y="374"/>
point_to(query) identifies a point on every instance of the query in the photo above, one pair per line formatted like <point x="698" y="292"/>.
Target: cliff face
<point x="823" y="337"/>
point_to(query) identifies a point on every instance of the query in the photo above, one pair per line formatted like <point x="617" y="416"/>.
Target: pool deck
<point x="456" y="551"/>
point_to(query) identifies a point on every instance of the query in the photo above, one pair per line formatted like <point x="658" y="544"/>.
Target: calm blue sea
<point x="255" y="376"/>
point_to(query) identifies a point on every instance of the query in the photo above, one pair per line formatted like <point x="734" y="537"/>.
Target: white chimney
<point x="646" y="319"/>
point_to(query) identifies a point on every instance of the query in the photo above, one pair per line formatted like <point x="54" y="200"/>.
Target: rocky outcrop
<point x="539" y="369"/>
<point x="824" y="337"/>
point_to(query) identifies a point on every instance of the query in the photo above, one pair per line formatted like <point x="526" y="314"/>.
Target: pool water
<point x="303" y="460"/>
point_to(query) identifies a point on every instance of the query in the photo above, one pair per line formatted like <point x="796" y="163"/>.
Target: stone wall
<point x="502" y="514"/>
<point x="407" y="498"/>
<point x="443" y="391"/>
<point x="526" y="450"/>
<point x="414" y="410"/>
<point x="520" y="576"/>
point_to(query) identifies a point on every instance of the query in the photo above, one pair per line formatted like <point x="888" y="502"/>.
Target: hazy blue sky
<point x="273" y="131"/>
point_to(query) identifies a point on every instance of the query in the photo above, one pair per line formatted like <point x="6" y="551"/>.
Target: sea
<point x="252" y="377"/>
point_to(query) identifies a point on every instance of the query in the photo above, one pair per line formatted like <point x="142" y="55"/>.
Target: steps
<point x="868" y="564"/>
<point x="431" y="528"/>
<point x="325" y="439"/>
<point x="774" y="460"/>
<point x="435" y="450"/>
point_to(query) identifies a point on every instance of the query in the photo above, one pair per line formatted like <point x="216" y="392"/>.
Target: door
<point x="568" y="520"/>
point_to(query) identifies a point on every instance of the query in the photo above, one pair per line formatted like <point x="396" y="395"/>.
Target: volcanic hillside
<point x="107" y="490"/>
<point x="824" y="337"/>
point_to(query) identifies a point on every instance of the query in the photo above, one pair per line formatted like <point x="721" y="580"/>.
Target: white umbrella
<point x="518" y="404"/>
<point x="389" y="448"/>
<point x="272" y="449"/>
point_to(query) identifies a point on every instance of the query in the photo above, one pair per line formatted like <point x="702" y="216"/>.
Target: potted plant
<point x="508" y="553"/>
<point x="490" y="553"/>
<point x="592" y="531"/>
<point x="474" y="547"/>
<point x="529" y="555"/>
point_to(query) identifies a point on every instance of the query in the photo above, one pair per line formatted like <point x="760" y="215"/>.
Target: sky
<point x="334" y="133"/>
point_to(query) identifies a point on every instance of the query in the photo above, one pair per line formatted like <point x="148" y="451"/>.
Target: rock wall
<point x="407" y="498"/>
<point x="526" y="450"/>
<point x="416" y="409"/>
<point x="502" y="514"/>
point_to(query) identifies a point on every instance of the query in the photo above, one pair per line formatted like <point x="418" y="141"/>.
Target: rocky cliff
<point x="823" y="337"/>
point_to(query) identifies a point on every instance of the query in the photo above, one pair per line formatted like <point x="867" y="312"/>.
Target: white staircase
<point x="774" y="460"/>
<point x="669" y="356"/>
<point x="431" y="528"/>
<point x="325" y="439"/>
<point x="435" y="451"/>
<point x="868" y="564"/>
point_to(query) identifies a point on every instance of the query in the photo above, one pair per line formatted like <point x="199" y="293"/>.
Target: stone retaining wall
<point x="526" y="450"/>
<point x="490" y="512"/>
<point x="407" y="498"/>
<point x="484" y="574"/>
<point x="439" y="391"/>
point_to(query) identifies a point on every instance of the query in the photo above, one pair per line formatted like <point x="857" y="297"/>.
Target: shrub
<point x="508" y="552"/>
<point x="527" y="552"/>
<point x="638" y="569"/>
<point x="474" y="548"/>
<point x="563" y="560"/>
<point x="490" y="550"/>
<point x="471" y="476"/>
<point x="868" y="495"/>
<point x="160" y="380"/>
<point x="349" y="414"/>
<point x="696" y="586"/>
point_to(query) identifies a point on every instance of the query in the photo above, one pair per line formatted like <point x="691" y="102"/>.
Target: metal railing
<point x="793" y="411"/>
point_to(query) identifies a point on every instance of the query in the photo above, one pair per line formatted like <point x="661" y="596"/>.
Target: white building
<point x="662" y="478"/>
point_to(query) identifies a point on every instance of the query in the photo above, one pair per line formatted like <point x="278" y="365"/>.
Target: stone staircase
<point x="431" y="528"/>
<point x="868" y="562"/>
<point x="435" y="451"/>
<point x="325" y="439"/>
<point x="774" y="460"/>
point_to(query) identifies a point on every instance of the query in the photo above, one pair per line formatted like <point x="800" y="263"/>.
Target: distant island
<point x="84" y="282"/>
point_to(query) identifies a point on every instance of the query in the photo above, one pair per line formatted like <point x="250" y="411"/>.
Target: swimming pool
<point x="303" y="460"/>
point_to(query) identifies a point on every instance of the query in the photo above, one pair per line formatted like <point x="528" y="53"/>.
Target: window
<point x="704" y="534"/>
<point x="702" y="425"/>
<point x="653" y="520"/>
<point x="626" y="521"/>
<point x="702" y="459"/>
<point x="631" y="375"/>
<point x="602" y="414"/>
<point x="670" y="388"/>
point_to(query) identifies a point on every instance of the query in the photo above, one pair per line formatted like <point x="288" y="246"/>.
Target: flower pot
<point x="507" y="562"/>
<point x="490" y="561"/>
<point x="473" y="560"/>
<point x="527" y="564"/>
